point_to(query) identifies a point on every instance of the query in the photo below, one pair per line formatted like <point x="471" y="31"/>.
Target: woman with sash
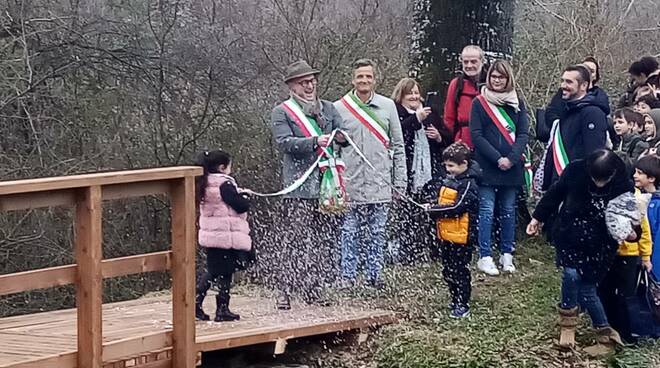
<point x="499" y="130"/>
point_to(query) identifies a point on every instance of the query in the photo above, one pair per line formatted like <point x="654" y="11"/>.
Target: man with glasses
<point x="373" y="123"/>
<point x="301" y="257"/>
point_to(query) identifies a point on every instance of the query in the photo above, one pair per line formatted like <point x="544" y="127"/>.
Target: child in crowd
<point x="631" y="144"/>
<point x="647" y="172"/>
<point x="454" y="208"/>
<point x="620" y="281"/>
<point x="646" y="103"/>
<point x="224" y="232"/>
<point x="652" y="131"/>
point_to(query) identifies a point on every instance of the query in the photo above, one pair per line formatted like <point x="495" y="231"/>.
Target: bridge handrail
<point x="102" y="178"/>
<point x="86" y="193"/>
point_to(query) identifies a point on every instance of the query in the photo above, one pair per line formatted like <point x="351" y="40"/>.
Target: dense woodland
<point x="115" y="84"/>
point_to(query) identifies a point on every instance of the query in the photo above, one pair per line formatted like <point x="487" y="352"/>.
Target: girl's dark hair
<point x="650" y="100"/>
<point x="630" y="115"/>
<point x="645" y="65"/>
<point x="457" y="152"/>
<point x="602" y="164"/>
<point x="209" y="160"/>
<point x="592" y="59"/>
<point x="650" y="166"/>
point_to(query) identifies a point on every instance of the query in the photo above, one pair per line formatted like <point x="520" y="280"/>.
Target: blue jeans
<point x="506" y="200"/>
<point x="575" y="290"/>
<point x="373" y="218"/>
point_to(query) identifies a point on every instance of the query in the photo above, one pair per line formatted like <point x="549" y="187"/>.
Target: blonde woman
<point x="425" y="138"/>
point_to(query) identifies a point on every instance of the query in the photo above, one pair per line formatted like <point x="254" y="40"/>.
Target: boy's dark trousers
<point x="455" y="271"/>
<point x="619" y="283"/>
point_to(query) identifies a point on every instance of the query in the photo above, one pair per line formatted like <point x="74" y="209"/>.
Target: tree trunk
<point x="444" y="27"/>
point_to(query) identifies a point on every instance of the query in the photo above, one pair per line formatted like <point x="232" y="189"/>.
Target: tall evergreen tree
<point x="444" y="27"/>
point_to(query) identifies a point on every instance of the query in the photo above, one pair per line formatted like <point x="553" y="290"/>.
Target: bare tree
<point x="99" y="85"/>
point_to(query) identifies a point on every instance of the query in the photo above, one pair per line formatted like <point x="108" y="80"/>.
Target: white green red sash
<point x="529" y="173"/>
<point x="507" y="127"/>
<point x="559" y="155"/>
<point x="310" y="128"/>
<point x="366" y="116"/>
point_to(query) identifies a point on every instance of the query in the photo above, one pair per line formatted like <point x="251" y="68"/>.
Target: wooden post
<point x="184" y="239"/>
<point x="280" y="347"/>
<point x="89" y="279"/>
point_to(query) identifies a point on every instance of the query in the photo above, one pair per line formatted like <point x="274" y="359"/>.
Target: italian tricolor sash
<point x="366" y="116"/>
<point x="310" y="128"/>
<point x="559" y="155"/>
<point x="505" y="125"/>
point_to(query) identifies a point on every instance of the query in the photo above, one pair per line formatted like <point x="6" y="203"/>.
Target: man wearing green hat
<point x="301" y="126"/>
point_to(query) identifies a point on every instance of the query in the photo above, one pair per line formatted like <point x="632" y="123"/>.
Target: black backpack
<point x="459" y="90"/>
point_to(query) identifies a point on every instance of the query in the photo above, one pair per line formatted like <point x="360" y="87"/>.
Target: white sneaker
<point x="506" y="260"/>
<point x="487" y="266"/>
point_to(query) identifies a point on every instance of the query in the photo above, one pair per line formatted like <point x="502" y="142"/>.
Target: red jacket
<point x="462" y="116"/>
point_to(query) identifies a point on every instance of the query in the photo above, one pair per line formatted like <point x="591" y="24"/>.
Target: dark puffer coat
<point x="490" y="145"/>
<point x="583" y="125"/>
<point x="579" y="232"/>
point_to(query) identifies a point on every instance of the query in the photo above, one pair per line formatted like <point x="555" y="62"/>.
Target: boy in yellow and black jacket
<point x="454" y="208"/>
<point x="620" y="282"/>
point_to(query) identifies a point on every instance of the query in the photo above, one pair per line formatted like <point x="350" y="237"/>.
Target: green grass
<point x="513" y="322"/>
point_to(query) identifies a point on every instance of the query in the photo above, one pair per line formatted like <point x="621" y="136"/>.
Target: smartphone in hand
<point x="430" y="98"/>
<point x="430" y="101"/>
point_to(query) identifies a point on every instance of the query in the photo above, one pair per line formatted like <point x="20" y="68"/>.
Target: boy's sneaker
<point x="506" y="260"/>
<point x="487" y="266"/>
<point x="377" y="284"/>
<point x="346" y="283"/>
<point x="451" y="306"/>
<point x="461" y="311"/>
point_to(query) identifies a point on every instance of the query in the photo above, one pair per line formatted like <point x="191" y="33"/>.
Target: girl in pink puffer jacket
<point x="224" y="232"/>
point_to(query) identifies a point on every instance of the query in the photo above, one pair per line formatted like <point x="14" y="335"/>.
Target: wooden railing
<point x="85" y="193"/>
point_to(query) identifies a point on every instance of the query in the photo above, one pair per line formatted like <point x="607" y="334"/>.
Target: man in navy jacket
<point x="582" y="125"/>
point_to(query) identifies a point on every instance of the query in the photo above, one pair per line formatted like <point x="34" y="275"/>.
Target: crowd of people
<point x="597" y="179"/>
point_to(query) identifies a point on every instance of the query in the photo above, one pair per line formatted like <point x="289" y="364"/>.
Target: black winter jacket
<point x="583" y="127"/>
<point x="579" y="232"/>
<point x="558" y="105"/>
<point x="410" y="125"/>
<point x="467" y="198"/>
<point x="490" y="145"/>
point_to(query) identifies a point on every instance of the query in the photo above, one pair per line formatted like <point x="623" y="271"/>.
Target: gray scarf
<point x="421" y="163"/>
<point x="501" y="98"/>
<point x="310" y="108"/>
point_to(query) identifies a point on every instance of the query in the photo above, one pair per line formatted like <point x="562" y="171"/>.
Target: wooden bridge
<point x="149" y="332"/>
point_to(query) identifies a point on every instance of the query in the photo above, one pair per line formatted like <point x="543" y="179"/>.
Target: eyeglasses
<point x="308" y="82"/>
<point x="498" y="77"/>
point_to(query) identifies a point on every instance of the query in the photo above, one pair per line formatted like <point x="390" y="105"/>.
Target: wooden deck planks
<point x="52" y="335"/>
